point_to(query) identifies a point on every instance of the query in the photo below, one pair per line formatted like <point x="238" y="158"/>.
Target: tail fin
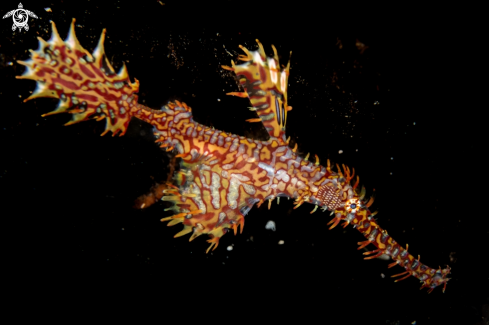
<point x="85" y="84"/>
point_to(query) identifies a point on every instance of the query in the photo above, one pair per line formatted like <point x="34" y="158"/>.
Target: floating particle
<point x="340" y="152"/>
<point x="218" y="100"/>
<point x="10" y="63"/>
<point x="48" y="9"/>
<point x="230" y="248"/>
<point x="281" y="242"/>
<point x="357" y="150"/>
<point x="384" y="257"/>
<point x="361" y="47"/>
<point x="161" y="3"/>
<point x="376" y="102"/>
<point x="391" y="173"/>
<point x="382" y="275"/>
<point x="452" y="257"/>
<point x="414" y="123"/>
<point x="270" y="225"/>
<point x="392" y="158"/>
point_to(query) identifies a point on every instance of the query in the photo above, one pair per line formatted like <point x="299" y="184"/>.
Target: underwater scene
<point x="259" y="154"/>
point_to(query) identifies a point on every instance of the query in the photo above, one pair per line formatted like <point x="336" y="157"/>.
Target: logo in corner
<point x="20" y="17"/>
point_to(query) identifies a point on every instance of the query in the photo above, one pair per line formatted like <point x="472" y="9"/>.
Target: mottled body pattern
<point x="222" y="176"/>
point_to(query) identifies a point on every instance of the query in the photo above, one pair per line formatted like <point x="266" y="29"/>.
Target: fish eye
<point x="353" y="206"/>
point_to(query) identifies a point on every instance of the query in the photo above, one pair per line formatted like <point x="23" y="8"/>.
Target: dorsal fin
<point x="265" y="84"/>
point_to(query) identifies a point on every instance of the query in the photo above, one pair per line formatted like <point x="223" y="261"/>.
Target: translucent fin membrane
<point x="265" y="84"/>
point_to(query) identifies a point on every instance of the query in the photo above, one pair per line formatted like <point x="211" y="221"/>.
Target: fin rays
<point x="265" y="85"/>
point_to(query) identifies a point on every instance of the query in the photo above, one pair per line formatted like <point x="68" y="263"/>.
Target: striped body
<point x="222" y="176"/>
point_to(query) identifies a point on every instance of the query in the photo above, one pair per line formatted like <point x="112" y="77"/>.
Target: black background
<point x="403" y="108"/>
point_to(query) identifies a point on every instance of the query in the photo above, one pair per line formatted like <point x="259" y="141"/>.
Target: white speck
<point x="376" y="102"/>
<point x="382" y="275"/>
<point x="48" y="9"/>
<point x="392" y="158"/>
<point x="391" y="173"/>
<point x="357" y="150"/>
<point x="280" y="242"/>
<point x="10" y="63"/>
<point x="414" y="123"/>
<point x="270" y="225"/>
<point x="230" y="248"/>
<point x="340" y="152"/>
<point x="218" y="100"/>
